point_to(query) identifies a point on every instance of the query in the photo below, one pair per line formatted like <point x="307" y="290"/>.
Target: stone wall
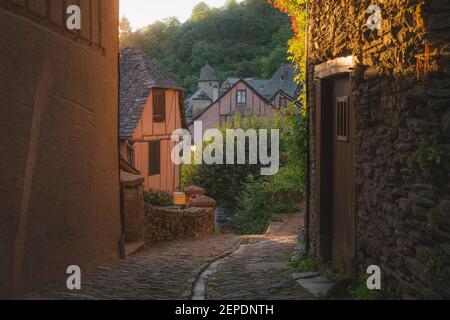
<point x="169" y="223"/>
<point x="402" y="201"/>
<point x="59" y="157"/>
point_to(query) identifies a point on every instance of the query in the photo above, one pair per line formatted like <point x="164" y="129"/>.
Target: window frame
<point x="154" y="158"/>
<point x="240" y="94"/>
<point x="158" y="112"/>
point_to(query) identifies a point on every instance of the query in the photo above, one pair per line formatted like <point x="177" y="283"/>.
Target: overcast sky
<point x="143" y="12"/>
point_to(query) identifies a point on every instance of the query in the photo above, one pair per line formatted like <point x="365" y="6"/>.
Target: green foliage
<point x="157" y="198"/>
<point x="360" y="291"/>
<point x="310" y="263"/>
<point x="241" y="187"/>
<point x="431" y="157"/>
<point x="225" y="182"/>
<point x="253" y="207"/>
<point x="247" y="39"/>
<point x="294" y="137"/>
<point x="433" y="219"/>
<point x="434" y="269"/>
<point x="200" y="11"/>
<point x="334" y="273"/>
<point x="307" y="264"/>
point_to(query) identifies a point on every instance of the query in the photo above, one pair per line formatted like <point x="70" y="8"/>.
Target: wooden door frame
<point x="322" y="73"/>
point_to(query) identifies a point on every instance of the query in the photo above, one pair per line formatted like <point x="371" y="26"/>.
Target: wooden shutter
<point x="159" y="105"/>
<point x="154" y="158"/>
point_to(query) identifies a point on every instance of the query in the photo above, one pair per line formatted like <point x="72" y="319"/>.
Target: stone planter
<point x="170" y="223"/>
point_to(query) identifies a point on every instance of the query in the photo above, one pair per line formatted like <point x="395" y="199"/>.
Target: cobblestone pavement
<point x="260" y="269"/>
<point x="163" y="271"/>
<point x="254" y="267"/>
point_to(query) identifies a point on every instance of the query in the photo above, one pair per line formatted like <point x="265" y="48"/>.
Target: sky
<point x="143" y="12"/>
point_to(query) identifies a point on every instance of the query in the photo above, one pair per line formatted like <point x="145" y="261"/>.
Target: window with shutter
<point x="154" y="158"/>
<point x="159" y="105"/>
<point x="342" y="119"/>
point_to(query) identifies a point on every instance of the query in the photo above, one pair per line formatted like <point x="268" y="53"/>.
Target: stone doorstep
<point x="133" y="247"/>
<point x="314" y="283"/>
<point x="305" y="275"/>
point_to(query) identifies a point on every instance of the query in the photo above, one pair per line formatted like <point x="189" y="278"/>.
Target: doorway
<point x="336" y="214"/>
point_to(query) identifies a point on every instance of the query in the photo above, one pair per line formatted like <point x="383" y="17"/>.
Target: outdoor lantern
<point x="179" y="198"/>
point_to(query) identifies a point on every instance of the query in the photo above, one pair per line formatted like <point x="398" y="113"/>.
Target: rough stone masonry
<point x="400" y="88"/>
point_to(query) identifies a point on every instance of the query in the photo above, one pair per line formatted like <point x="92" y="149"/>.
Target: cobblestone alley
<point x="250" y="267"/>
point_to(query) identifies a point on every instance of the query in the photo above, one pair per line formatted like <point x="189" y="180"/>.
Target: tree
<point x="204" y="52"/>
<point x="231" y="3"/>
<point x="244" y="39"/>
<point x="296" y="9"/>
<point x="124" y="28"/>
<point x="200" y="11"/>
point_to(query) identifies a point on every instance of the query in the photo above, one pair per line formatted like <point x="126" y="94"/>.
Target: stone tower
<point x="209" y="82"/>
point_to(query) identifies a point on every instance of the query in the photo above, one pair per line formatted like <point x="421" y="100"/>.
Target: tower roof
<point x="207" y="73"/>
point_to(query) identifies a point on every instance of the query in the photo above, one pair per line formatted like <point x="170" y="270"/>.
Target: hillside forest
<point x="245" y="39"/>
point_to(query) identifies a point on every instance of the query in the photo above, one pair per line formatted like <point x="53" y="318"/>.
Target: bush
<point x="360" y="291"/>
<point x="307" y="264"/>
<point x="253" y="207"/>
<point x="157" y="198"/>
<point x="224" y="182"/>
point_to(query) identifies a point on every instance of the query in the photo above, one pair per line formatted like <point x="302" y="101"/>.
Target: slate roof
<point x="257" y="84"/>
<point x="229" y="82"/>
<point x="283" y="79"/>
<point x="138" y="75"/>
<point x="200" y="95"/>
<point x="207" y="73"/>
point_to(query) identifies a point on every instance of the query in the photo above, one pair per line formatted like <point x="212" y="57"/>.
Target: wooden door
<point x="335" y="172"/>
<point x="341" y="220"/>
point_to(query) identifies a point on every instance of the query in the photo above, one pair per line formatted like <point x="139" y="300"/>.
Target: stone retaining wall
<point x="169" y="223"/>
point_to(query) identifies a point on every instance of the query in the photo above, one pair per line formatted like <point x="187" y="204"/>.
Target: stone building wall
<point x="402" y="117"/>
<point x="59" y="152"/>
<point x="168" y="223"/>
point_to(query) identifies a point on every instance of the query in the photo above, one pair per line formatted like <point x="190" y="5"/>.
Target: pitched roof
<point x="207" y="73"/>
<point x="258" y="84"/>
<point x="138" y="75"/>
<point x="200" y="95"/>
<point x="283" y="79"/>
<point x="246" y="82"/>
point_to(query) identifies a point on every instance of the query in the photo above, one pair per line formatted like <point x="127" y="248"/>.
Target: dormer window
<point x="241" y="97"/>
<point x="159" y="105"/>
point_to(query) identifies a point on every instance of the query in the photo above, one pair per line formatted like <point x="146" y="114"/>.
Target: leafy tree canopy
<point x="200" y="11"/>
<point x="246" y="39"/>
